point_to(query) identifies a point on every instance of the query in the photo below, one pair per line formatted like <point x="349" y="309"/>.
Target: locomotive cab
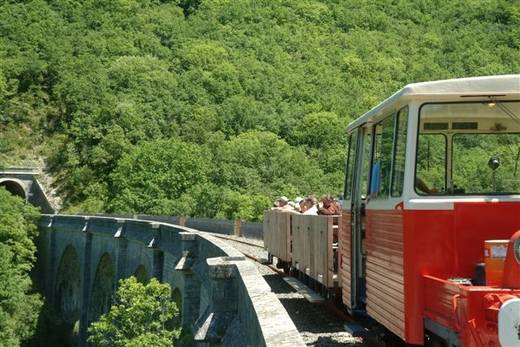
<point x="433" y="176"/>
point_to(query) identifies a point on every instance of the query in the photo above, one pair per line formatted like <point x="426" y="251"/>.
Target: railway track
<point x="220" y="236"/>
<point x="251" y="256"/>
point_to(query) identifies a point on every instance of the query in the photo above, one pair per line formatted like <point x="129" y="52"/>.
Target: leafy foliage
<point x="87" y="83"/>
<point x="139" y="317"/>
<point x="156" y="176"/>
<point x="19" y="307"/>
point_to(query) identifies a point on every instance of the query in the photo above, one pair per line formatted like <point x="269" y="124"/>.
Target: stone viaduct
<point x="221" y="296"/>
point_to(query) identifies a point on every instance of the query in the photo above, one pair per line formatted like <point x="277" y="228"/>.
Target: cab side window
<point x="388" y="161"/>
<point x="365" y="172"/>
<point x="401" y="125"/>
<point x="382" y="159"/>
<point x="351" y="159"/>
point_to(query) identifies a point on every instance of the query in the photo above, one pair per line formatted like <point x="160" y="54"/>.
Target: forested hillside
<point x="212" y="108"/>
<point x="19" y="305"/>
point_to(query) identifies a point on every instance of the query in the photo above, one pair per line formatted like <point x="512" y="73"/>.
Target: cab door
<point x="384" y="223"/>
<point x="356" y="188"/>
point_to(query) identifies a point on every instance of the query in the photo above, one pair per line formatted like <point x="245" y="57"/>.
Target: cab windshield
<point x="468" y="148"/>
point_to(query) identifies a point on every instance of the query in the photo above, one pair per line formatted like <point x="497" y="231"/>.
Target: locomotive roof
<point x="471" y="86"/>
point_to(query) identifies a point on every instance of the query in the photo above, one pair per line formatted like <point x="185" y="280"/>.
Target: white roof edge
<point x="484" y="85"/>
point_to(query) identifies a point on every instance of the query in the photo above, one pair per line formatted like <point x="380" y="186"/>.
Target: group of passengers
<point x="309" y="205"/>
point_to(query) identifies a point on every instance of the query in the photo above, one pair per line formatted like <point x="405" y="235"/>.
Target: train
<point x="427" y="247"/>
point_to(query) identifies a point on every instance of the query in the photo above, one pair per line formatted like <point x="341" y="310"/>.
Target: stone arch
<point x="68" y="285"/>
<point x="14" y="187"/>
<point x="141" y="274"/>
<point x="102" y="288"/>
<point x="177" y="298"/>
<point x="67" y="296"/>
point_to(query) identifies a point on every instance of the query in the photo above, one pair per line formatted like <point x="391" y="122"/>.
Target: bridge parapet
<point x="223" y="298"/>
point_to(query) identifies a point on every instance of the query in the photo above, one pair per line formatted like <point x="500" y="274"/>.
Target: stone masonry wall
<point x="224" y="300"/>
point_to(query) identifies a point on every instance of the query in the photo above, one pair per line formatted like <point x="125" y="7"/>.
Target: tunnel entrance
<point x="24" y="184"/>
<point x="14" y="188"/>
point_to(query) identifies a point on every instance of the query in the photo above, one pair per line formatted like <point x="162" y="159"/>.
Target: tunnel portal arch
<point x="14" y="187"/>
<point x="102" y="288"/>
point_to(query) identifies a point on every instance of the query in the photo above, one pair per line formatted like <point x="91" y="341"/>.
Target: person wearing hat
<point x="282" y="204"/>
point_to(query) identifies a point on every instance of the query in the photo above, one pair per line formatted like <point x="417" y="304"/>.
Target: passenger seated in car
<point x="309" y="206"/>
<point x="329" y="206"/>
<point x="298" y="204"/>
<point x="282" y="204"/>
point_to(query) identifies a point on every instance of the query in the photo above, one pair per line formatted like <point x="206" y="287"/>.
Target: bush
<point x="139" y="317"/>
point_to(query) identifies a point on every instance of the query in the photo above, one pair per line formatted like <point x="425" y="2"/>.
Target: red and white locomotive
<point x="431" y="176"/>
<point x="429" y="244"/>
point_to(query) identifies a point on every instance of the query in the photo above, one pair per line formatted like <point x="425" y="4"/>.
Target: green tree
<point x="262" y="163"/>
<point x="140" y="316"/>
<point x="155" y="177"/>
<point x="320" y="130"/>
<point x="19" y="306"/>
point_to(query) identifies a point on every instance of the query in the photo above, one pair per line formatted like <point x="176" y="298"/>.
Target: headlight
<point x="516" y="249"/>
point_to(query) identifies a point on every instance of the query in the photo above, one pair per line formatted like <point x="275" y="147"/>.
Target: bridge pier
<point x="158" y="254"/>
<point x="190" y="283"/>
<point x="50" y="260"/>
<point x="121" y="249"/>
<point x="221" y="310"/>
<point x="85" y="287"/>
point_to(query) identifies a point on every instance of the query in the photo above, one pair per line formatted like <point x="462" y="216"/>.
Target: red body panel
<point x="470" y="311"/>
<point x="448" y="244"/>
<point x="384" y="269"/>
<point x="404" y="246"/>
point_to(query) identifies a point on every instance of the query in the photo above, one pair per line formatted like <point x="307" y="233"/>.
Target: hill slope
<point x="214" y="107"/>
